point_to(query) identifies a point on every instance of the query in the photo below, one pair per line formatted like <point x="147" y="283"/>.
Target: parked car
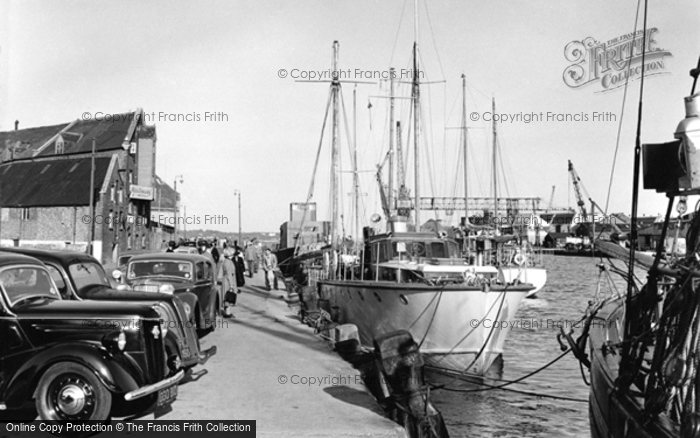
<point x="79" y="276"/>
<point x="77" y="360"/>
<point x="123" y="258"/>
<point x="186" y="250"/>
<point x="182" y="274"/>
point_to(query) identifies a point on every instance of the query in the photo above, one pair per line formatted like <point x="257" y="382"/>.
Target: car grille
<point x="155" y="351"/>
<point x="147" y="287"/>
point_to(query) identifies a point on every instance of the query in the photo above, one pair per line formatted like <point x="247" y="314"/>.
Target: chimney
<point x="16" y="125"/>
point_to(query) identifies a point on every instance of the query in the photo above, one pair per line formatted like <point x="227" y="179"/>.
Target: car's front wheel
<point x="69" y="391"/>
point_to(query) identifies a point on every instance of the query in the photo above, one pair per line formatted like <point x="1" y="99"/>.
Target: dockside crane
<point x="577" y="189"/>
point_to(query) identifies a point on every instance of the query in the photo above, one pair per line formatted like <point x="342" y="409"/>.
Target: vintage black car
<point x="77" y="360"/>
<point x="182" y="274"/>
<point x="79" y="276"/>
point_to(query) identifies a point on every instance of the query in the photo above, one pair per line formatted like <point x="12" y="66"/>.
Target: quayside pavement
<point x="273" y="369"/>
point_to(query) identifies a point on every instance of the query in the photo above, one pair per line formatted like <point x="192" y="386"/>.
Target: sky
<point x="182" y="60"/>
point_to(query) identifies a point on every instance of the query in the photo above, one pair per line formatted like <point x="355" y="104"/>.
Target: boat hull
<point x="614" y="413"/>
<point x="459" y="328"/>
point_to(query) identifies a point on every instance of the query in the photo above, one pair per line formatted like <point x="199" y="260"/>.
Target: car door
<point x="204" y="281"/>
<point x="15" y="348"/>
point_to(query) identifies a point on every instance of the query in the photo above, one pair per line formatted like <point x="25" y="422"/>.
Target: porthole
<point x="376" y="295"/>
<point x="403" y="299"/>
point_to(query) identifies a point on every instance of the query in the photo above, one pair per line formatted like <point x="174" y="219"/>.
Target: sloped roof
<point x="55" y="183"/>
<point x="108" y="135"/>
<point x="28" y="140"/>
<point x="108" y="131"/>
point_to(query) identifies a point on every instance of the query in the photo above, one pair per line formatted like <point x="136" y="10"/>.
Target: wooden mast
<point x="335" y="161"/>
<point x="495" y="161"/>
<point x="416" y="134"/>
<point x="464" y="148"/>
<point x="391" y="141"/>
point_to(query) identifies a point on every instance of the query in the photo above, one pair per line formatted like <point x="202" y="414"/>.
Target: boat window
<point x="375" y="251"/>
<point x="437" y="250"/>
<point x="453" y="250"/>
<point x="399" y="250"/>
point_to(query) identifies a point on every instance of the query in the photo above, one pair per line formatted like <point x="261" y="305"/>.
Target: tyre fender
<point x="115" y="376"/>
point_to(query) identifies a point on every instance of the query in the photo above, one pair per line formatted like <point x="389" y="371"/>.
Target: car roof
<point x="64" y="257"/>
<point x="7" y="258"/>
<point x="170" y="256"/>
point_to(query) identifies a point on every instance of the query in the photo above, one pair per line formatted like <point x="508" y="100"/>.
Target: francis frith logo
<point x="611" y="63"/>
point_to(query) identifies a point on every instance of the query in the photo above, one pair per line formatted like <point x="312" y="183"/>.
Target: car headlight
<point x="114" y="341"/>
<point x="166" y="288"/>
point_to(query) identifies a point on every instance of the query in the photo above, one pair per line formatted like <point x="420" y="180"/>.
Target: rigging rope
<point x="313" y="175"/>
<point x="622" y="111"/>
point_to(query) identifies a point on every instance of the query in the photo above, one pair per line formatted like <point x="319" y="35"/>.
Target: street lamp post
<point x="177" y="201"/>
<point x="238" y="193"/>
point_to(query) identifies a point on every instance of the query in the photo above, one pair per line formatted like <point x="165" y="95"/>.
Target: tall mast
<point x="335" y="162"/>
<point x="464" y="147"/>
<point x="356" y="231"/>
<point x="401" y="175"/>
<point x="391" y="140"/>
<point x="495" y="160"/>
<point x="416" y="133"/>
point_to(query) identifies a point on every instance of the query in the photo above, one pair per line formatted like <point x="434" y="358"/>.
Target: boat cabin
<point x="416" y="258"/>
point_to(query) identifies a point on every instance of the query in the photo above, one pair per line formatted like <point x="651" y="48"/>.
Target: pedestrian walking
<point x="229" y="287"/>
<point x="250" y="257"/>
<point x="269" y="265"/>
<point x="215" y="252"/>
<point x="239" y="263"/>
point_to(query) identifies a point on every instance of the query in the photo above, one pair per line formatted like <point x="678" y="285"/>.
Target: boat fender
<point x="519" y="259"/>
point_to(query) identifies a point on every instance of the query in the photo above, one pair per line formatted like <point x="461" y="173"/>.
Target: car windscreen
<point x="159" y="268"/>
<point x="23" y="283"/>
<point x="87" y="274"/>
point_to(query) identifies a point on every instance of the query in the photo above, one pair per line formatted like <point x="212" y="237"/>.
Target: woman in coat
<point x="227" y="276"/>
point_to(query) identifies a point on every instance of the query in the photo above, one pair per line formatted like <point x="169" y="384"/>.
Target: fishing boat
<point x="406" y="278"/>
<point x="643" y="346"/>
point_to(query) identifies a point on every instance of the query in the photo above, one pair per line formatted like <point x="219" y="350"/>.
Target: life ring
<point x="519" y="259"/>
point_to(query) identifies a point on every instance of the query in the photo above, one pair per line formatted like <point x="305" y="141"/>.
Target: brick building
<point x="45" y="180"/>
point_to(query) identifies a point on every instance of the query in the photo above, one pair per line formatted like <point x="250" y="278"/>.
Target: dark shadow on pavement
<point x="354" y="396"/>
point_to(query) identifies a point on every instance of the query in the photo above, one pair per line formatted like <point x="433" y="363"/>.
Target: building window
<point x="112" y="191"/>
<point x="25" y="214"/>
<point x="121" y="196"/>
<point x="111" y="220"/>
<point x="59" y="147"/>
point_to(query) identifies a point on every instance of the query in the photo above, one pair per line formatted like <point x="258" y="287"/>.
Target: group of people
<point x="230" y="265"/>
<point x="255" y="258"/>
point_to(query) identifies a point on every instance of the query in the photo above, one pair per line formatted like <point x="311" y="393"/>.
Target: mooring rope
<point x="526" y="376"/>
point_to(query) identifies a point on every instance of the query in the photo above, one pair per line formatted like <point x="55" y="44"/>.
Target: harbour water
<point x="533" y="343"/>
